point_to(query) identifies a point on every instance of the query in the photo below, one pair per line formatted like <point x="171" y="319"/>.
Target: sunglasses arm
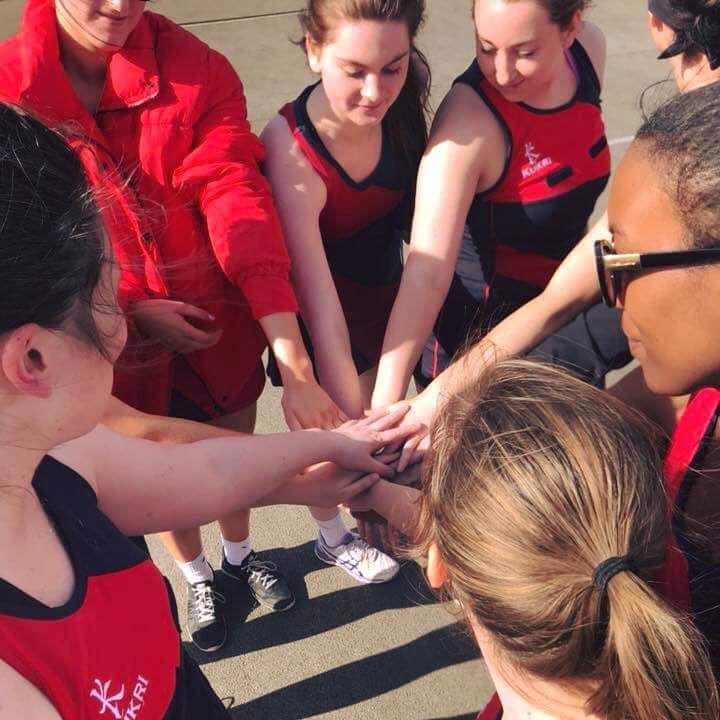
<point x="622" y="262"/>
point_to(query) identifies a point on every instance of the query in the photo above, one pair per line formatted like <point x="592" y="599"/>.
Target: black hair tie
<point x="609" y="568"/>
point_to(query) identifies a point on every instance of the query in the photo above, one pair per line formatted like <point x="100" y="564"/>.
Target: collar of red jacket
<point x="132" y="77"/>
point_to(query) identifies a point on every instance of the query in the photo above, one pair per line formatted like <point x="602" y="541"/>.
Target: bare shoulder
<point x="282" y="148"/>
<point x="19" y="698"/>
<point x="467" y="139"/>
<point x="592" y="38"/>
<point x="81" y="453"/>
<point x="277" y="133"/>
<point x="464" y="117"/>
<point x="287" y="167"/>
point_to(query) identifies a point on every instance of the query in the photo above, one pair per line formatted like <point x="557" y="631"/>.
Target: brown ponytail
<point x="533" y="481"/>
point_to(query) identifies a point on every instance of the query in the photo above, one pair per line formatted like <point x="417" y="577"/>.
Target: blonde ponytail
<point x="654" y="660"/>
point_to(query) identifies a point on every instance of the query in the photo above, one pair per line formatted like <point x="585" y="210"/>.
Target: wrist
<point x="296" y="371"/>
<point x="378" y="498"/>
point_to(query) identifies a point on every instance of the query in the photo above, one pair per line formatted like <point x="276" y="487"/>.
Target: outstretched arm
<point x="572" y="288"/>
<point x="147" y="487"/>
<point x="126" y="420"/>
<point x="300" y="196"/>
<point x="450" y="171"/>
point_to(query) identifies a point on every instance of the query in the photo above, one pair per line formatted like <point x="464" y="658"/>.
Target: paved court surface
<point x="347" y="651"/>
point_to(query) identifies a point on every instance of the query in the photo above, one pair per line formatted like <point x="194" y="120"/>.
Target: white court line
<point x="621" y="140"/>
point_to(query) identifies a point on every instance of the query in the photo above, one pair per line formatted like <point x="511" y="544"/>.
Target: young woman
<point x="518" y="148"/>
<point x="687" y="33"/>
<point x="162" y="117"/>
<point x="544" y="518"/>
<point x="342" y="160"/>
<point x="86" y="620"/>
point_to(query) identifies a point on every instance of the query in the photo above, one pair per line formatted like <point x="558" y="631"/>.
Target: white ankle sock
<point x="333" y="530"/>
<point x="236" y="552"/>
<point x="198" y="570"/>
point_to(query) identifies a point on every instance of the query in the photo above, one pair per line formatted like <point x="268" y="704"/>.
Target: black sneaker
<point x="267" y="584"/>
<point x="205" y="621"/>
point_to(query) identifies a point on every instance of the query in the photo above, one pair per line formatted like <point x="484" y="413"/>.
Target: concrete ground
<point x="347" y="651"/>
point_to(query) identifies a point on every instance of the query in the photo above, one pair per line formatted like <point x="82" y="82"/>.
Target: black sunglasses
<point x="612" y="267"/>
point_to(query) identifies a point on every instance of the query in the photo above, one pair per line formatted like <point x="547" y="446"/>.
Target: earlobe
<point x="313" y="54"/>
<point x="573" y="30"/>
<point x="23" y="363"/>
<point x="657" y="32"/>
<point x="436" y="572"/>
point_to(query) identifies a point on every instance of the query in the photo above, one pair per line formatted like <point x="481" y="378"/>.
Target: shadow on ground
<point x="363" y="679"/>
<point x="308" y="617"/>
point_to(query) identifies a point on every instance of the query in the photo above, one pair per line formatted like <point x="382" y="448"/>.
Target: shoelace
<point x="263" y="571"/>
<point x="359" y="550"/>
<point x="205" y="598"/>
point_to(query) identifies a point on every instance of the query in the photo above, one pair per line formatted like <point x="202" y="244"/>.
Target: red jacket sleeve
<point x="222" y="174"/>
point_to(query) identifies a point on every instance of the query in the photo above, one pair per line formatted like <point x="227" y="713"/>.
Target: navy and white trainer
<point x="361" y="561"/>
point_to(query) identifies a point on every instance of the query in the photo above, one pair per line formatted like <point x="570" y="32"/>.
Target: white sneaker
<point x="361" y="561"/>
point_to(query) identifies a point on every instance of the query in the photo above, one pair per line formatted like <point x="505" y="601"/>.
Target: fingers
<point x="384" y="418"/>
<point x="359" y="486"/>
<point x="205" y="338"/>
<point x="408" y="454"/>
<point x="388" y="456"/>
<point x="388" y="437"/>
<point x="334" y="418"/>
<point x="292" y="422"/>
<point x="380" y="468"/>
<point x="193" y="311"/>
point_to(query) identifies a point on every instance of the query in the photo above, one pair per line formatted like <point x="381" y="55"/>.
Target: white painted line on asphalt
<point x="621" y="140"/>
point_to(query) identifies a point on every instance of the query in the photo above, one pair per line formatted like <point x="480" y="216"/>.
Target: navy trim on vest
<point x="472" y="77"/>
<point x="385" y="174"/>
<point x="93" y="544"/>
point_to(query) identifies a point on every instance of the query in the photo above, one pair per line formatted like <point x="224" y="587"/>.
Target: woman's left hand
<point x="306" y="405"/>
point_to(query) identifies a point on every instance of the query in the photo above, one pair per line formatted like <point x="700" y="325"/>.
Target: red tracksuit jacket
<point x="171" y="143"/>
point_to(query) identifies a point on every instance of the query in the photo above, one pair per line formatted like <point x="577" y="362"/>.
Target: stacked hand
<point x="359" y="458"/>
<point x="368" y="444"/>
<point x="307" y="405"/>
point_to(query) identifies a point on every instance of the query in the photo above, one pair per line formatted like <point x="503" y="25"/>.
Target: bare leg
<point x="235" y="527"/>
<point x="186" y="545"/>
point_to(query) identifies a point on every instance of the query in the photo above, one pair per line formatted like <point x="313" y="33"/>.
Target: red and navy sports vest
<point x="113" y="650"/>
<point x="492" y="711"/>
<point x="361" y="226"/>
<point x="690" y="578"/>
<point x="557" y="165"/>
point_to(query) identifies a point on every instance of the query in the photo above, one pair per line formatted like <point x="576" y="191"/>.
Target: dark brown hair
<point x="561" y="12"/>
<point x="407" y="119"/>
<point x="680" y="139"/>
<point x="52" y="247"/>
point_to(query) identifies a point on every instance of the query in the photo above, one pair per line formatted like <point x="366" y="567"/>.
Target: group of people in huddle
<point x="152" y="248"/>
